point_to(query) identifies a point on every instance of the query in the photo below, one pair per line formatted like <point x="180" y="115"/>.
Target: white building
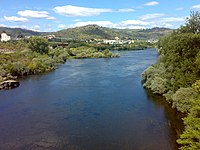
<point x="49" y="37"/>
<point x="109" y="41"/>
<point x="4" y="37"/>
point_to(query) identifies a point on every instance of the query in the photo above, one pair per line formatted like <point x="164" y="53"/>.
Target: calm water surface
<point x="88" y="104"/>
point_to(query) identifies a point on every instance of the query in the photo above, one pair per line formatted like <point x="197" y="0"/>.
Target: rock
<point x="9" y="84"/>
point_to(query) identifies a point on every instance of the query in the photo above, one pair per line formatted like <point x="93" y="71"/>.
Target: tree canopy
<point x="39" y="45"/>
<point x="192" y="23"/>
<point x="176" y="75"/>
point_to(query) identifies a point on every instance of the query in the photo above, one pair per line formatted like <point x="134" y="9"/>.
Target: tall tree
<point x="192" y="23"/>
<point x="39" y="45"/>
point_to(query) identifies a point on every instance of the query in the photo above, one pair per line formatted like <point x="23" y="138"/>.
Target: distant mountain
<point x="86" y="32"/>
<point x="97" y="32"/>
<point x="94" y="32"/>
<point x="14" y="32"/>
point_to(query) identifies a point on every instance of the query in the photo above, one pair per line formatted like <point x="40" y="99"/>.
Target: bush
<point x="190" y="139"/>
<point x="39" y="45"/>
<point x="158" y="85"/>
<point x="147" y="74"/>
<point x="182" y="99"/>
<point x="154" y="78"/>
<point x="196" y="86"/>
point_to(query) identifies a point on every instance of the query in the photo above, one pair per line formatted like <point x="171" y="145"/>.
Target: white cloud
<point x="72" y="11"/>
<point x="134" y="22"/>
<point x="35" y="28"/>
<point x="35" y="14"/>
<point x="152" y="16"/>
<point x="15" y="19"/>
<point x="172" y="19"/>
<point x="51" y="18"/>
<point x="62" y="26"/>
<point x="179" y="9"/>
<point x="120" y="26"/>
<point x="165" y="25"/>
<point x="170" y="22"/>
<point x="100" y="23"/>
<point x="196" y="7"/>
<point x="2" y="25"/>
<point x="130" y="24"/>
<point x="126" y="10"/>
<point x="76" y="20"/>
<point x="152" y="3"/>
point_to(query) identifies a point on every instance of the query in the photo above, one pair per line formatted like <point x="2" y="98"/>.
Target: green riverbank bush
<point x="37" y="57"/>
<point x="174" y="75"/>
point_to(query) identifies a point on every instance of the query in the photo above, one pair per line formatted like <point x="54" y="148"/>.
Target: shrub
<point x="39" y="45"/>
<point x="182" y="99"/>
<point x="158" y="85"/>
<point x="190" y="139"/>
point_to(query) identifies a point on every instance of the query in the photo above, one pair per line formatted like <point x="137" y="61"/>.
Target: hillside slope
<point x="14" y="32"/>
<point x="94" y="32"/>
<point x="97" y="32"/>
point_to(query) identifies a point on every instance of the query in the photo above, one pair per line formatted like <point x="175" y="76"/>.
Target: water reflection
<point x="90" y="104"/>
<point x="175" y="123"/>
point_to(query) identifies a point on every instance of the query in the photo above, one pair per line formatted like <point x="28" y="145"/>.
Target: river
<point x="88" y="104"/>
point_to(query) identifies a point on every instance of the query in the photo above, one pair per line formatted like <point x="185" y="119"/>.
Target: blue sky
<point x="54" y="15"/>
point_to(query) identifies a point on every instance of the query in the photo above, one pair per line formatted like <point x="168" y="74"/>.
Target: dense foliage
<point x="190" y="139"/>
<point x="136" y="45"/>
<point x="90" y="52"/>
<point x="13" y="45"/>
<point x="39" y="45"/>
<point x="34" y="56"/>
<point x="176" y="76"/>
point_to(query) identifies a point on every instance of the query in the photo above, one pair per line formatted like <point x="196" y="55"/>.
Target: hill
<point x="97" y="32"/>
<point x="94" y="32"/>
<point x="14" y="32"/>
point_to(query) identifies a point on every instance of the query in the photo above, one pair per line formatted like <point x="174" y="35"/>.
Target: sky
<point x="54" y="15"/>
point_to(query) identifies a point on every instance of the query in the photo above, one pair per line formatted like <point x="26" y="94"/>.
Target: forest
<point x="176" y="76"/>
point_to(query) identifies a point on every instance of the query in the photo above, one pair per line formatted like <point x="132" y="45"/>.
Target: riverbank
<point x="37" y="55"/>
<point x="24" y="61"/>
<point x="176" y="77"/>
<point x="88" y="104"/>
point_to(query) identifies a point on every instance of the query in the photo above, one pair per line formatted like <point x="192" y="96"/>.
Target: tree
<point x="190" y="139"/>
<point x="192" y="23"/>
<point x="183" y="98"/>
<point x="39" y="45"/>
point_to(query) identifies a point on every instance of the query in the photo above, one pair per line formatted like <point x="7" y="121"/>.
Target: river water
<point x="88" y="104"/>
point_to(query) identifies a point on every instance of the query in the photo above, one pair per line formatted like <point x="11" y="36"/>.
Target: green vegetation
<point x="83" y="33"/>
<point x="190" y="139"/>
<point x="34" y="56"/>
<point x="176" y="75"/>
<point x="137" y="45"/>
<point x="93" y="32"/>
<point x="24" y="63"/>
<point x="13" y="45"/>
<point x="39" y="45"/>
<point x="97" y="32"/>
<point x="90" y="52"/>
<point x="141" y="45"/>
